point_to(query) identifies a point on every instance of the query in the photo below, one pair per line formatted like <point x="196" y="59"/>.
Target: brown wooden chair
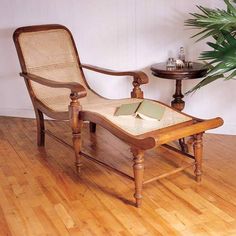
<point x="57" y="86"/>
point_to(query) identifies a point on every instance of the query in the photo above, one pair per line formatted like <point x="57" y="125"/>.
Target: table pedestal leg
<point x="178" y="103"/>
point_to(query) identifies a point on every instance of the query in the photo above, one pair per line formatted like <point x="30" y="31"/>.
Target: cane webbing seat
<point x="57" y="86"/>
<point x="107" y="108"/>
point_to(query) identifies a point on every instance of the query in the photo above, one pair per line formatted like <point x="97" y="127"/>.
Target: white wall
<point x="117" y="34"/>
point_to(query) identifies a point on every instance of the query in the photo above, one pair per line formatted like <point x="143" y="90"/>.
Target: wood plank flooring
<point x="41" y="194"/>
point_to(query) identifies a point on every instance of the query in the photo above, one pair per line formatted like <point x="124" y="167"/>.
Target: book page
<point x="142" y="116"/>
<point x="151" y="110"/>
<point x="127" y="109"/>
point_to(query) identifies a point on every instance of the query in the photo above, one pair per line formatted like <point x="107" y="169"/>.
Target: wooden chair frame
<point x="76" y="115"/>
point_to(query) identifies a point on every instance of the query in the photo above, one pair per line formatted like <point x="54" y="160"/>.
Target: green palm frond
<point x="221" y="25"/>
<point x="213" y="21"/>
<point x="223" y="56"/>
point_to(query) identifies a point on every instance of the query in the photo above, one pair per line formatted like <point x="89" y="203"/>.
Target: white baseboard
<point x="229" y="129"/>
<point x="24" y="113"/>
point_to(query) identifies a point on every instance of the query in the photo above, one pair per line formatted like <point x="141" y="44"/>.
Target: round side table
<point x="196" y="71"/>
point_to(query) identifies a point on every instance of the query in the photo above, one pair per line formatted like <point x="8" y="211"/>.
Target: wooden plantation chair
<point x="57" y="86"/>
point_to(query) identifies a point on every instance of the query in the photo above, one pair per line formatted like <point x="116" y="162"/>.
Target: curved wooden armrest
<point x="73" y="86"/>
<point x="139" y="77"/>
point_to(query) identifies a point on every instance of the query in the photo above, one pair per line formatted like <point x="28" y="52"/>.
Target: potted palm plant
<point x="220" y="25"/>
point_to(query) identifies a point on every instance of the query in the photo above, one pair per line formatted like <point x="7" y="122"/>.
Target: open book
<point x="147" y="110"/>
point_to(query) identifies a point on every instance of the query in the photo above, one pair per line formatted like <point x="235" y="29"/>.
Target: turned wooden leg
<point x="92" y="127"/>
<point x="138" y="168"/>
<point x="76" y="137"/>
<point x="40" y="128"/>
<point x="197" y="147"/>
<point x="178" y="103"/>
<point x="183" y="145"/>
<point x="76" y="125"/>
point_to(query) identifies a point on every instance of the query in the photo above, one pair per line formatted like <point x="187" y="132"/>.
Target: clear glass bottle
<point x="181" y="54"/>
<point x="170" y="63"/>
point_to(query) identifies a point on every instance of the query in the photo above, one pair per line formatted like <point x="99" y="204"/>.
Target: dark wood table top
<point x="198" y="70"/>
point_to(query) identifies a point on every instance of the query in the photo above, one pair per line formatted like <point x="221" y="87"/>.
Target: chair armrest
<point x="73" y="86"/>
<point x="139" y="77"/>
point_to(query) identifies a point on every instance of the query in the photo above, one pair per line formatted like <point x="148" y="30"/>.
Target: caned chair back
<point x="48" y="51"/>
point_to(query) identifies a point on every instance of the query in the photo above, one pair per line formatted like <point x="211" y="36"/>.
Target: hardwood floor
<point x="41" y="194"/>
